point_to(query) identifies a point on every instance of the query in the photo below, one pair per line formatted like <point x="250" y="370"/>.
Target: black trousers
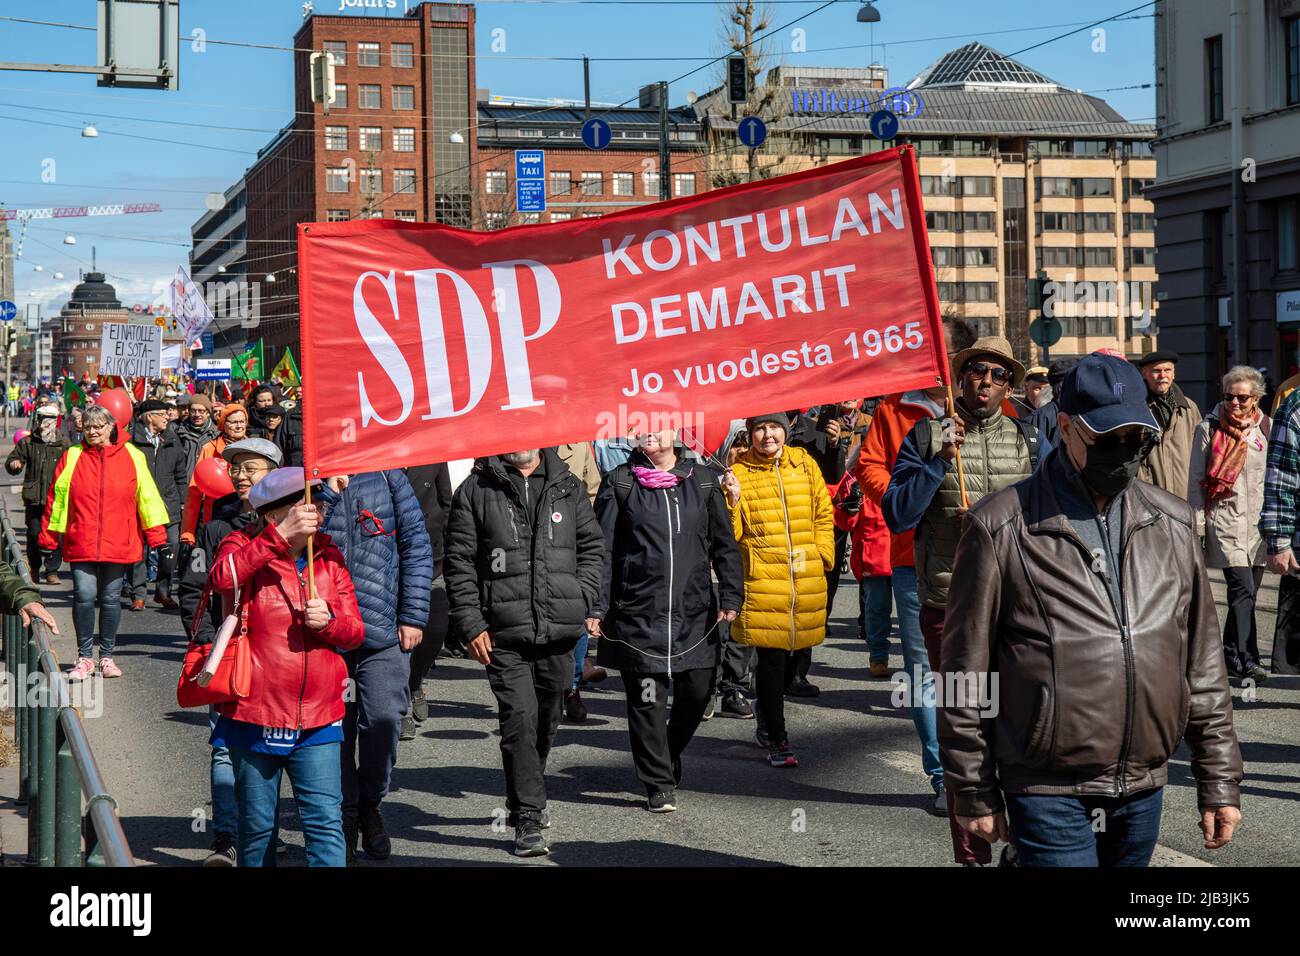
<point x="169" y="580"/>
<point x="774" y="668"/>
<point x="658" y="736"/>
<point x="529" y="684"/>
<point x="731" y="673"/>
<point x="435" y="632"/>
<point x="803" y="657"/>
<point x="37" y="565"/>
<point x="1286" y="639"/>
<point x="1240" y="645"/>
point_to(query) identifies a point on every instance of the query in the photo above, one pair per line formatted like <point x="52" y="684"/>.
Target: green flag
<point x="286" y="371"/>
<point x="249" y="365"/>
<point x="73" y="396"/>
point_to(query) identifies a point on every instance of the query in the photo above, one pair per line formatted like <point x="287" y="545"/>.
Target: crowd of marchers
<point x="1054" y="527"/>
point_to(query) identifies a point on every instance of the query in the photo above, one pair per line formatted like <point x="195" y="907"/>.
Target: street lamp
<point x="89" y="131"/>
<point x="69" y="240"/>
<point x="456" y="137"/>
<point x="270" y="277"/>
<point x="868" y="13"/>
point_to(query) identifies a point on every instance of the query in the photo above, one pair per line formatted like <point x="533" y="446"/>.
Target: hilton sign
<point x="902" y="102"/>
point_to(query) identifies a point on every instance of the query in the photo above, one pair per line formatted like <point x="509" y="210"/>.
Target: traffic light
<point x="737" y="80"/>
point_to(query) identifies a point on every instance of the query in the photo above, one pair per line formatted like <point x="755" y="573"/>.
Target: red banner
<point x="424" y="343"/>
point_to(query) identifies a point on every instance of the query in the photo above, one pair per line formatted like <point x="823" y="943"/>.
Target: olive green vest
<point x="993" y="456"/>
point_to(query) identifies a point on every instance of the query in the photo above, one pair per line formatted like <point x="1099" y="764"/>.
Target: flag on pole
<point x="189" y="311"/>
<point x="248" y="364"/>
<point x="73" y="395"/>
<point x="286" y="370"/>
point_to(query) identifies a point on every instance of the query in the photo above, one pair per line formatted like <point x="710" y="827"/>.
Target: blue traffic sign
<point x="752" y="132"/>
<point x="884" y="124"/>
<point x="530" y="180"/>
<point x="207" y="341"/>
<point x="8" y="311"/>
<point x="596" y="134"/>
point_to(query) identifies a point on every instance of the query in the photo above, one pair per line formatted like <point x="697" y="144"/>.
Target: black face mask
<point x="1108" y="471"/>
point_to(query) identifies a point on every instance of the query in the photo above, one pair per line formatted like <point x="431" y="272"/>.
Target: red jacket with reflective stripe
<point x="103" y="517"/>
<point x="299" y="678"/>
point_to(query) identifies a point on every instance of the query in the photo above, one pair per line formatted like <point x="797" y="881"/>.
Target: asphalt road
<point x="857" y="798"/>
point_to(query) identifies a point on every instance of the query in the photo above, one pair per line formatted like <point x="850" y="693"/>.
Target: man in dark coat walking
<point x="39" y="454"/>
<point x="432" y="487"/>
<point x="155" y="436"/>
<point x="524" y="564"/>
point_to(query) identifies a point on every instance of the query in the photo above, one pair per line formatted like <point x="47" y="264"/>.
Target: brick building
<point x="79" y="328"/>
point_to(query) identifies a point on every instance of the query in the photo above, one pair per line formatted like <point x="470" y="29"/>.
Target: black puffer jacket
<point x="432" y="487"/>
<point x="657" y="603"/>
<point x="526" y="573"/>
<point x="167" y="461"/>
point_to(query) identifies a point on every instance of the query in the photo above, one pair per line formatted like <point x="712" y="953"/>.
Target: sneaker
<point x="108" y="667"/>
<point x="419" y="707"/>
<point x="350" y="835"/>
<point x="592" y="674"/>
<point x="83" y="669"/>
<point x="1010" y="856"/>
<point x="168" y="602"/>
<point x="780" y="755"/>
<point x="1256" y="673"/>
<point x="373" y="838"/>
<point x="940" y="808"/>
<point x="528" y="838"/>
<point x="801" y="687"/>
<point x="662" y="801"/>
<point x="574" y="709"/>
<point x="879" y="669"/>
<point x="735" y="705"/>
<point x="544" y="817"/>
<point x="223" y="852"/>
<point x="711" y="708"/>
<point x="407" y="731"/>
<point x="52" y="578"/>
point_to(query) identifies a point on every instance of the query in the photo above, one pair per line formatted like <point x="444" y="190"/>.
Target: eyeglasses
<point x="1239" y="399"/>
<point x="252" y="471"/>
<point x="979" y="369"/>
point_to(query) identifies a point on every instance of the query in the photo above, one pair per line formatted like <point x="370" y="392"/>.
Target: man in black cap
<point x="1083" y="594"/>
<point x="1177" y="415"/>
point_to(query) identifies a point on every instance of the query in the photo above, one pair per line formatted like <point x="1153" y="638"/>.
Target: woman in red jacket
<point x="293" y="717"/>
<point x="104" y="504"/>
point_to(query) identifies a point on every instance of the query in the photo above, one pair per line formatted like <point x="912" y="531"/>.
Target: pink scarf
<point x="657" y="478"/>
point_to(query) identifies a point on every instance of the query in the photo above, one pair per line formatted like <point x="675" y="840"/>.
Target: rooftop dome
<point x="94" y="292"/>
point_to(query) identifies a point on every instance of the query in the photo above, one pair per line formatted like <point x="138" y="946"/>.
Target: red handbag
<point x="231" y="678"/>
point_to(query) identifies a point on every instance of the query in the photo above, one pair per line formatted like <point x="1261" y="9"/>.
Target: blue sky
<point x="146" y="152"/>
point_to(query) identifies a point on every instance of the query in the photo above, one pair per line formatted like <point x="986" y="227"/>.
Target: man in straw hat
<point x="942" y="469"/>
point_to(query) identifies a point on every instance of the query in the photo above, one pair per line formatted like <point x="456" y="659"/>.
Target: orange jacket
<point x="893" y="420"/>
<point x="198" y="507"/>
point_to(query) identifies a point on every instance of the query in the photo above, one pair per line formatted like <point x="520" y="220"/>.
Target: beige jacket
<point x="578" y="456"/>
<point x="1231" y="527"/>
<point x="1167" y="465"/>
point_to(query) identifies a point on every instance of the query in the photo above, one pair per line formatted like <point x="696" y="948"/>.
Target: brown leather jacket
<point x="1085" y="704"/>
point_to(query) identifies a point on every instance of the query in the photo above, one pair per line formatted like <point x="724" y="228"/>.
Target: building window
<point x="1288" y="234"/>
<point x="968" y="291"/>
<point x="372" y="181"/>
<point x="404" y="215"/>
<point x="1098" y="256"/>
<point x="977" y="185"/>
<point x="561" y="182"/>
<point x="624" y="184"/>
<point x="495" y="220"/>
<point x="494" y="181"/>
<point x="338" y="51"/>
<point x="372" y="139"/>
<point x="370" y="96"/>
<point x="561" y="216"/>
<point x="963" y="256"/>
<point x="403" y="54"/>
<point x="336" y="137"/>
<point x="1291" y="35"/>
<point x="593" y="184"/>
<point x="404" y="139"/>
<point x="336" y="179"/>
<point x="591" y="215"/>
<point x="403" y="97"/>
<point x="367" y="54"/>
<point x="371" y="214"/>
<point x="340" y="96"/>
<point x="650" y="183"/>
<point x="1139" y="256"/>
<point x="337" y="215"/>
<point x="1098" y="222"/>
<point x="1097" y="187"/>
<point x="683" y="184"/>
<point x="1139" y="222"/>
<point x="939" y="185"/>
<point x="403" y="180"/>
<point x="1056" y="222"/>
<point x="529" y="134"/>
<point x="530" y="218"/>
<point x="1054" y="186"/>
<point x="1214" y="79"/>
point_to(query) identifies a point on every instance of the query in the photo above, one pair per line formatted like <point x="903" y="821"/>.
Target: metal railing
<point x="56" y="766"/>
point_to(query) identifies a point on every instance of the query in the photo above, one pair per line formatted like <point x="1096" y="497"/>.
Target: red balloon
<point x="118" y="403"/>
<point x="212" y="475"/>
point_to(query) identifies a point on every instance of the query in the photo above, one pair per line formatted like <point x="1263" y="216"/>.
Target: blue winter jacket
<point x="378" y="525"/>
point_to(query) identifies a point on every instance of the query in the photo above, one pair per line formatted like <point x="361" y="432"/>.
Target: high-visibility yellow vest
<point x="148" y="502"/>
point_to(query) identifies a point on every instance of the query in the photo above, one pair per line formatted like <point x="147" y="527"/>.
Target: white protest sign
<point x="130" y="351"/>
<point x="189" y="309"/>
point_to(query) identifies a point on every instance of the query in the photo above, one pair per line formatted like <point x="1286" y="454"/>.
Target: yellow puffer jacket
<point x="785" y="526"/>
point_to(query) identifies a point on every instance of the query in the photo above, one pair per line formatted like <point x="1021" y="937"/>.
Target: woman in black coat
<point x="666" y="523"/>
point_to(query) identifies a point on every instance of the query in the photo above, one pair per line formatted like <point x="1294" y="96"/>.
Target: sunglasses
<point x="1140" y="442"/>
<point x="979" y="369"/>
<point x="1239" y="399"/>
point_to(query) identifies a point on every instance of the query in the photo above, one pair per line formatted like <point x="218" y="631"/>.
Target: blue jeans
<point x="1085" y="831"/>
<point x="914" y="655"/>
<point x="97" y="581"/>
<point x="225" y="811"/>
<point x="579" y="657"/>
<point x="876" y="604"/>
<point x="314" y="773"/>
